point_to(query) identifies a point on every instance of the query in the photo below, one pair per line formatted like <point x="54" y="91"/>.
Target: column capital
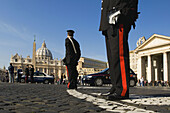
<point x="165" y="52"/>
<point x="148" y="54"/>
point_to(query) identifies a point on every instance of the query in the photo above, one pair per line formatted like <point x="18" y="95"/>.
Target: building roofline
<point x="94" y="59"/>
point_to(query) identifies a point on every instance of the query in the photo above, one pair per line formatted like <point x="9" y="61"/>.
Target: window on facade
<point x="16" y="60"/>
<point x="29" y="60"/>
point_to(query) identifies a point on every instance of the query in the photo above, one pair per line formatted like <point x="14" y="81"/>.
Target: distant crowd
<point x="10" y="75"/>
<point x="28" y="73"/>
<point x="142" y="83"/>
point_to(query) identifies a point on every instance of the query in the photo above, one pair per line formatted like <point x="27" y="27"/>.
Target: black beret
<point x="71" y="31"/>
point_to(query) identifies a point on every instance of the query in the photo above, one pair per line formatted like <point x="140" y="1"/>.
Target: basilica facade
<point x="43" y="61"/>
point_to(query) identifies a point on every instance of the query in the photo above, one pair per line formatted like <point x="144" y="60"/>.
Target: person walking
<point x="64" y="79"/>
<point x="71" y="59"/>
<point x="117" y="16"/>
<point x="19" y="73"/>
<point x="61" y="79"/>
<point x="32" y="73"/>
<point x="26" y="74"/>
<point x="7" y="76"/>
<point x="142" y="81"/>
<point x="11" y="73"/>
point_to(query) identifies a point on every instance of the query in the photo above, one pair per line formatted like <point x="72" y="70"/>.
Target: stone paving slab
<point x="42" y="98"/>
<point x="111" y="106"/>
<point x="148" y="98"/>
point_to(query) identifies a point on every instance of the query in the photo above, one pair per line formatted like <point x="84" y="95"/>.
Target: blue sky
<point x="49" y="20"/>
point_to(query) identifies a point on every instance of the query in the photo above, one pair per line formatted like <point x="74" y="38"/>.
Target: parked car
<point x="39" y="77"/>
<point x="103" y="77"/>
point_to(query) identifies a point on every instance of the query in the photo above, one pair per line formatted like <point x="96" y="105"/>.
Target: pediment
<point x="16" y="56"/>
<point x="155" y="41"/>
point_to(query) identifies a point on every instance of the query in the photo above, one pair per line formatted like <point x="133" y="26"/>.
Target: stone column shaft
<point x="139" y="67"/>
<point x="59" y="72"/>
<point x="47" y="70"/>
<point x="165" y="66"/>
<point x="149" y="74"/>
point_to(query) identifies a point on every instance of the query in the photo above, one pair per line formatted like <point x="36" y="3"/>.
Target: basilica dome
<point x="44" y="52"/>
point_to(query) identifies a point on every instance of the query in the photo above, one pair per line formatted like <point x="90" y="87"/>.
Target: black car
<point x="39" y="77"/>
<point x="103" y="77"/>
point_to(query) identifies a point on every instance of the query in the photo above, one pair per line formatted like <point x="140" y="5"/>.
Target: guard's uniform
<point x="117" y="42"/>
<point x="32" y="74"/>
<point x="26" y="74"/>
<point x="71" y="61"/>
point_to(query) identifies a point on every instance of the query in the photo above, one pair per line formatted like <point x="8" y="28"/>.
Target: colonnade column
<point x="149" y="73"/>
<point x="54" y="72"/>
<point x="47" y="71"/>
<point x="59" y="72"/>
<point x="139" y="67"/>
<point x="165" y="66"/>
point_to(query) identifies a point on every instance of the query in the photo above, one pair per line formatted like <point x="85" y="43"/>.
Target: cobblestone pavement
<point x="37" y="98"/>
<point x="142" y="99"/>
<point x="42" y="98"/>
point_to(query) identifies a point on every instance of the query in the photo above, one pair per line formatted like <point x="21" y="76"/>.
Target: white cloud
<point x="21" y="33"/>
<point x="13" y="40"/>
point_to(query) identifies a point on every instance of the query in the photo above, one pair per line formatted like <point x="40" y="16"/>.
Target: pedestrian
<point x="79" y="80"/>
<point x="58" y="80"/>
<point x="32" y="73"/>
<point x="82" y="81"/>
<point x="7" y="76"/>
<point x="64" y="79"/>
<point x="19" y="74"/>
<point x="71" y="59"/>
<point x="139" y="82"/>
<point x="162" y="83"/>
<point x="61" y="79"/>
<point x="117" y="16"/>
<point x="26" y="74"/>
<point x="142" y="81"/>
<point x="11" y="73"/>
